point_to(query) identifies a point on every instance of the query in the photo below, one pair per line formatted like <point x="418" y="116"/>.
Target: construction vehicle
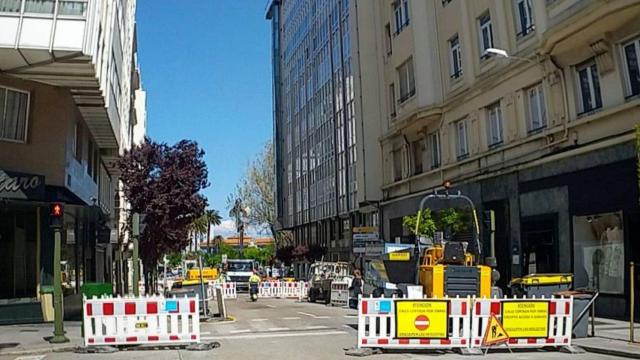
<point x="452" y="264"/>
<point x="321" y="274"/>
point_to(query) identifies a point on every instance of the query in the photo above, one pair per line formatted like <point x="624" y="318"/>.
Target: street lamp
<point x="504" y="54"/>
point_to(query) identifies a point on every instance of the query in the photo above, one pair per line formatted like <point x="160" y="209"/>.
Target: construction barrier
<point x="270" y="289"/>
<point x="339" y="293"/>
<point x="229" y="290"/>
<point x="402" y="323"/>
<point x="414" y="324"/>
<point x="141" y="320"/>
<point x="529" y="323"/>
<point x="292" y="290"/>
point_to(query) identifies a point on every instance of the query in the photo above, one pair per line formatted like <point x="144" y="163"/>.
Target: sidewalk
<point x="612" y="338"/>
<point x="30" y="339"/>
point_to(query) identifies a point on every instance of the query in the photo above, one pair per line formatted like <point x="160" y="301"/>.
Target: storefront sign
<point x="526" y="319"/>
<point x="422" y="319"/>
<point x="21" y="186"/>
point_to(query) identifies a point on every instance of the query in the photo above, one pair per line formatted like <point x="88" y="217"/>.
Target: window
<point x="90" y="167"/>
<point x="392" y="100"/>
<point x="387" y="39"/>
<point x="537" y="113"/>
<point x="456" y="57"/>
<point x="397" y="165"/>
<point x="418" y="156"/>
<point x="486" y="35"/>
<point x="462" y="139"/>
<point x="524" y="17"/>
<point x="434" y="139"/>
<point x="10" y="5"/>
<point x="632" y="68"/>
<point x="73" y="8"/>
<point x="407" y="80"/>
<point x="589" y="86"/>
<point x="77" y="142"/>
<point x="401" y="14"/>
<point x="14" y="108"/>
<point x="494" y="125"/>
<point x="39" y="6"/>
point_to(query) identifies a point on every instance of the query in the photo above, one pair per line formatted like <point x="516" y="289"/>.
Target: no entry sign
<point x="422" y="319"/>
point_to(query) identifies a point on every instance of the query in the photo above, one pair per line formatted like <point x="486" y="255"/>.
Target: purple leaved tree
<point x="163" y="182"/>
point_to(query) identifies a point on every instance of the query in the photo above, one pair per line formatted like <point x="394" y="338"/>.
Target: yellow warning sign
<point x="494" y="333"/>
<point x="422" y="319"/>
<point x="526" y="319"/>
<point x="399" y="256"/>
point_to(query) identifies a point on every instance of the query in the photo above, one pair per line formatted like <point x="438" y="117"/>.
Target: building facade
<point x="529" y="108"/>
<point x="318" y="122"/>
<point x="67" y="105"/>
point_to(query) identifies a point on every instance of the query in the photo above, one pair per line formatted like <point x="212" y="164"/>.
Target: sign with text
<point x="365" y="233"/>
<point x="526" y="319"/>
<point x="21" y="186"/>
<point x="422" y="319"/>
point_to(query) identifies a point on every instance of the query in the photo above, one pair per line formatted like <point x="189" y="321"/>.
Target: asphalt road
<point x="287" y="329"/>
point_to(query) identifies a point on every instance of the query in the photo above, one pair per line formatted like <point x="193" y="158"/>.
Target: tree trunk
<point x="208" y="237"/>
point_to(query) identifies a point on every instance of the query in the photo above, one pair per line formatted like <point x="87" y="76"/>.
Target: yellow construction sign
<point x="399" y="256"/>
<point x="421" y="319"/>
<point x="526" y="319"/>
<point x="494" y="333"/>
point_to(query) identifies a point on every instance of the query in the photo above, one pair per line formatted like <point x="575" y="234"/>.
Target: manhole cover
<point x="8" y="345"/>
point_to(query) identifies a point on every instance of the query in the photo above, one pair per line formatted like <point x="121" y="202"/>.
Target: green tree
<point x="174" y="259"/>
<point x="427" y="226"/>
<point x="454" y="220"/>
<point x="213" y="218"/>
<point x="262" y="255"/>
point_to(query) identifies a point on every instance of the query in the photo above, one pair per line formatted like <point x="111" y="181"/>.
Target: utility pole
<point x="134" y="259"/>
<point x="57" y="223"/>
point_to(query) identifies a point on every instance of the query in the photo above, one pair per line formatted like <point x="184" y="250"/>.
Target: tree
<point x="257" y="191"/>
<point x="163" y="182"/>
<point x="213" y="218"/>
<point x="427" y="226"/>
<point x="197" y="227"/>
<point x="285" y="254"/>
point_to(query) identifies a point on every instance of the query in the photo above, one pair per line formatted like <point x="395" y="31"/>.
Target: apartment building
<point x="67" y="110"/>
<point x="323" y="184"/>
<point x="528" y="107"/>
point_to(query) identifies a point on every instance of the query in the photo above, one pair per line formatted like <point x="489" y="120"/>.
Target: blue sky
<point x="206" y="66"/>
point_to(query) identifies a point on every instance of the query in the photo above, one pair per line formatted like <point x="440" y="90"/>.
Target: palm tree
<point x="197" y="227"/>
<point x="212" y="217"/>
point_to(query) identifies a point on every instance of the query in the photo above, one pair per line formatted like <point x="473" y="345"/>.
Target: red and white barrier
<point x="142" y="320"/>
<point x="292" y="290"/>
<point x="270" y="289"/>
<point x="229" y="290"/>
<point x="377" y="326"/>
<point x="559" y="321"/>
<point x="339" y="293"/>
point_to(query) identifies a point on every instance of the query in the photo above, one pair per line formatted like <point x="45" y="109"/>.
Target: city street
<point x="286" y="329"/>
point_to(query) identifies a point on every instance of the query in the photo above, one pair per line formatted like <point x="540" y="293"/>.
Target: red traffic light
<point x="57" y="210"/>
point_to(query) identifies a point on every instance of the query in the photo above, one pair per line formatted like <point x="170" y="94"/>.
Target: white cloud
<point x="228" y="228"/>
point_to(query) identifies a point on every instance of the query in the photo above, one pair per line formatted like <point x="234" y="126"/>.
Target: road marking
<point x="258" y="336"/>
<point x="271" y="306"/>
<point x="240" y="331"/>
<point x="291" y="318"/>
<point x="312" y="315"/>
<point x="205" y="332"/>
<point x="259" y="319"/>
<point x="315" y="327"/>
<point x="279" y="329"/>
<point x="31" y="357"/>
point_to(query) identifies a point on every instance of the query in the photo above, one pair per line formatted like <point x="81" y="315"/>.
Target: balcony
<point x="57" y="42"/>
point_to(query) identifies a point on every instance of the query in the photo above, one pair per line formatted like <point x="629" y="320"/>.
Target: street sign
<point x="494" y="333"/>
<point x="422" y="319"/>
<point x="399" y="256"/>
<point x="374" y="249"/>
<point x="365" y="233"/>
<point x="526" y="319"/>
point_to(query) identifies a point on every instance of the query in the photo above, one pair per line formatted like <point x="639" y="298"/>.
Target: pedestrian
<point x="356" y="289"/>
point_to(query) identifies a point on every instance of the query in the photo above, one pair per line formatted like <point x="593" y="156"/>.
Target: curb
<point x="40" y="351"/>
<point x="610" y="351"/>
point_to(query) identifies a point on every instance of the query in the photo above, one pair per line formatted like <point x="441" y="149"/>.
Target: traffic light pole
<point x="135" y="257"/>
<point x="58" y="330"/>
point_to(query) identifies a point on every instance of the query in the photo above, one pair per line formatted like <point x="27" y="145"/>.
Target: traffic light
<point x="56" y="215"/>
<point x="489" y="221"/>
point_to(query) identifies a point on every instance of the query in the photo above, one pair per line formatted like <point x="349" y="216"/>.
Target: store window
<point x="598" y="251"/>
<point x="18" y="246"/>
